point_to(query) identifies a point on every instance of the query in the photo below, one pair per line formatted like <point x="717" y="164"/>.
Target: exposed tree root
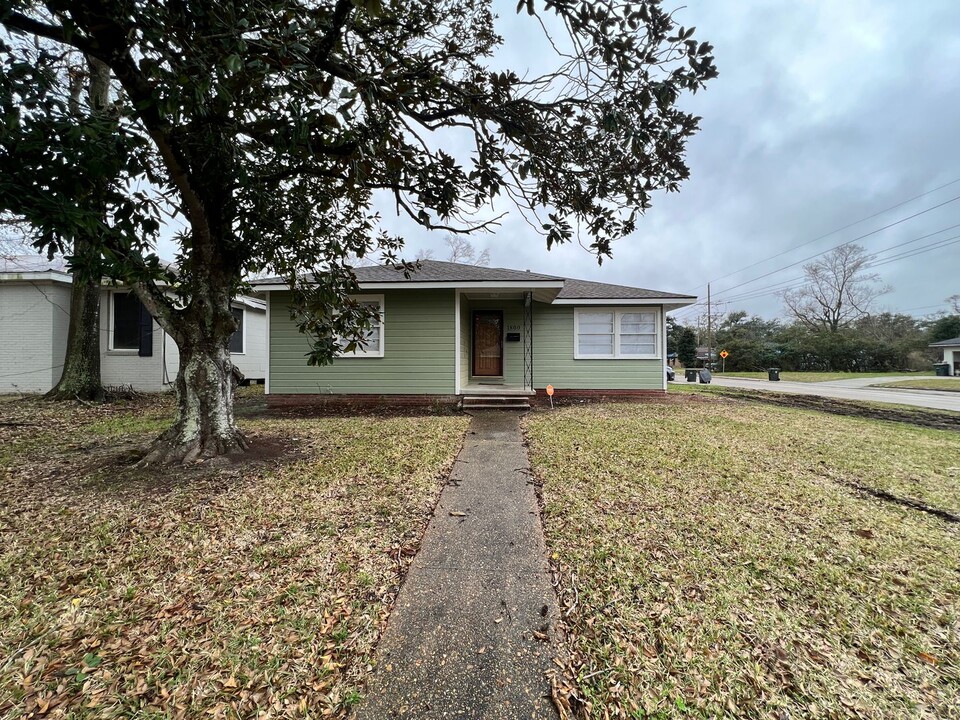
<point x="169" y="450"/>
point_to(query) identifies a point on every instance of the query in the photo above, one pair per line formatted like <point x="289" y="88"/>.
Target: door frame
<point x="473" y="341"/>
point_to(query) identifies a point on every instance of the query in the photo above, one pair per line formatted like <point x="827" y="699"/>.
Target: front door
<point x="488" y="343"/>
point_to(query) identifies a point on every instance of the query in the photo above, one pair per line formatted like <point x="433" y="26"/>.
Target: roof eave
<point x="670" y="302"/>
<point x="437" y="285"/>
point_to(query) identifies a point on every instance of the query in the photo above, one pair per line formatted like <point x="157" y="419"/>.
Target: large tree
<point x="838" y="290"/>
<point x="81" y="377"/>
<point x="271" y="127"/>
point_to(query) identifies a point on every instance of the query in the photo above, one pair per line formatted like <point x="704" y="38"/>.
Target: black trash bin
<point x="691" y="374"/>
<point x="773" y="374"/>
<point x="705" y="376"/>
<point x="942" y="369"/>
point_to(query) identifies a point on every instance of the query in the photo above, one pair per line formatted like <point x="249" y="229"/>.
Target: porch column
<point x="528" y="341"/>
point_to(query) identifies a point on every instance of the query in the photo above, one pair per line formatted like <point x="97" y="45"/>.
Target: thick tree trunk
<point x="205" y="426"/>
<point x="81" y="367"/>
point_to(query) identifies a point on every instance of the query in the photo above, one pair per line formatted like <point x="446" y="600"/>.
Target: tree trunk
<point x="81" y="366"/>
<point x="205" y="426"/>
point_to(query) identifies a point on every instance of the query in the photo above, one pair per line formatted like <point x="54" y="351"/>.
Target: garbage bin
<point x="691" y="374"/>
<point x="773" y="374"/>
<point x="705" y="376"/>
<point x="942" y="369"/>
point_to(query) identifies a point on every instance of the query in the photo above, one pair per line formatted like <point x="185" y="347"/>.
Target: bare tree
<point x="838" y="290"/>
<point x="13" y="241"/>
<point x="954" y="301"/>
<point x="459" y="250"/>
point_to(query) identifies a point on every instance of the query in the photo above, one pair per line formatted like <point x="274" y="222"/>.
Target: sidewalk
<point x="472" y="633"/>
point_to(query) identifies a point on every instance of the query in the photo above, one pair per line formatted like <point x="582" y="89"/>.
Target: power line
<point x="845" y="227"/>
<point x="848" y="242"/>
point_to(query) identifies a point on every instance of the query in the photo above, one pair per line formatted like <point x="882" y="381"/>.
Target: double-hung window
<point x="372" y="343"/>
<point x="616" y="333"/>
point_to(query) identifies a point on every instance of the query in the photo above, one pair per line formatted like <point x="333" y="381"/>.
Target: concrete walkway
<point x="856" y="389"/>
<point x="472" y="634"/>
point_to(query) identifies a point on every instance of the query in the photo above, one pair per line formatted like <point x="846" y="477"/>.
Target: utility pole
<point x="709" y="328"/>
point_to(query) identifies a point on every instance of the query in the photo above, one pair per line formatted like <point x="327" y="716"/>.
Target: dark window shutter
<point x="146" y="333"/>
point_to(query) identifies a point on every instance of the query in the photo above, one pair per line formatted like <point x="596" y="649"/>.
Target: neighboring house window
<point x="615" y="333"/>
<point x="132" y="326"/>
<point x="236" y="340"/>
<point x="372" y="345"/>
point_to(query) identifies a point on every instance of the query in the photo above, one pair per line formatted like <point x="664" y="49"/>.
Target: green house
<point x="450" y="331"/>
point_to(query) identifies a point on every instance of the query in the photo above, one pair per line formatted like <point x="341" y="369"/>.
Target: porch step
<point x="498" y="402"/>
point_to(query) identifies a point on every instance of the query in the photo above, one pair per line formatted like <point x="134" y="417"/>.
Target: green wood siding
<point x="418" y="356"/>
<point x="553" y="362"/>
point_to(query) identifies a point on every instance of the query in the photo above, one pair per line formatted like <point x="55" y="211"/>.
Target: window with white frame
<point x="372" y="345"/>
<point x="606" y="333"/>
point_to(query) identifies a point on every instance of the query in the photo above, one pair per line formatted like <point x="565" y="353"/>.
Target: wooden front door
<point x="488" y="343"/>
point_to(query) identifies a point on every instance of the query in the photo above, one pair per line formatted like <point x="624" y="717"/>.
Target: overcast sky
<point x="824" y="113"/>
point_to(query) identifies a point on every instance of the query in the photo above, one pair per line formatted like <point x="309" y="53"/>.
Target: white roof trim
<point x="36" y="276"/>
<point x="250" y="302"/>
<point x="444" y="285"/>
<point x="672" y="302"/>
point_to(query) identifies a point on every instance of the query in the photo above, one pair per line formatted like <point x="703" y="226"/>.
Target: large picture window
<point x="616" y="333"/>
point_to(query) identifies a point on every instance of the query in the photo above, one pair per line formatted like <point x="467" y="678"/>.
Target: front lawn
<point x="245" y="590"/>
<point x="814" y="377"/>
<point x="946" y="384"/>
<point x="721" y="558"/>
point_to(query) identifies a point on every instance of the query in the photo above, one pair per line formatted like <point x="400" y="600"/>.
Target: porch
<point x="495" y="343"/>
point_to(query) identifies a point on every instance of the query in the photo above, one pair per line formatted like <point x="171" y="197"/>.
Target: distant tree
<point x="838" y="290"/>
<point x="270" y="127"/>
<point x="683" y="341"/>
<point x="459" y="250"/>
<point x="13" y="241"/>
<point x="945" y="328"/>
<point x="954" y="301"/>
<point x="751" y="342"/>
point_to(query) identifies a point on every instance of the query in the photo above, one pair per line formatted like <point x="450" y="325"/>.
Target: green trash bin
<point x="942" y="369"/>
<point x="773" y="374"/>
<point x="690" y="374"/>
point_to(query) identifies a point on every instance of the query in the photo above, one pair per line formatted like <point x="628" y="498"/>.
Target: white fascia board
<point x="486" y="284"/>
<point x="668" y="303"/>
<point x="31" y="276"/>
<point x="247" y="301"/>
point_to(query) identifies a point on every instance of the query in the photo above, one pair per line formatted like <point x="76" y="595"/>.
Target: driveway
<point x="855" y="389"/>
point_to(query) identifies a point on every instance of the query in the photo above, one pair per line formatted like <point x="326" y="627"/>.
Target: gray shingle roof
<point x="589" y="290"/>
<point x="453" y="273"/>
<point x="944" y="343"/>
<point x="439" y="271"/>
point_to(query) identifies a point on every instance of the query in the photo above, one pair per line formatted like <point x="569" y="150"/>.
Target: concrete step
<point x="502" y="402"/>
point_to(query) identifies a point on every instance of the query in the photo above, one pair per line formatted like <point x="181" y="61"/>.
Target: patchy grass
<point x="714" y="561"/>
<point x="243" y="590"/>
<point x="947" y="384"/>
<point x="813" y="377"/>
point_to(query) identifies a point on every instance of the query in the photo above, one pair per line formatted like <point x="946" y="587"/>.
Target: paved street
<point x="855" y="389"/>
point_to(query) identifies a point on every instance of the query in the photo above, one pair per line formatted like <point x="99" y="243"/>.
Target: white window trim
<point x="362" y="352"/>
<point x="618" y="312"/>
<point x="243" y="329"/>
<point x="113" y="324"/>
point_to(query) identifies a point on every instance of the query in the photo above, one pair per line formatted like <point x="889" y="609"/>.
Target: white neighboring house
<point x="951" y="353"/>
<point x="134" y="351"/>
